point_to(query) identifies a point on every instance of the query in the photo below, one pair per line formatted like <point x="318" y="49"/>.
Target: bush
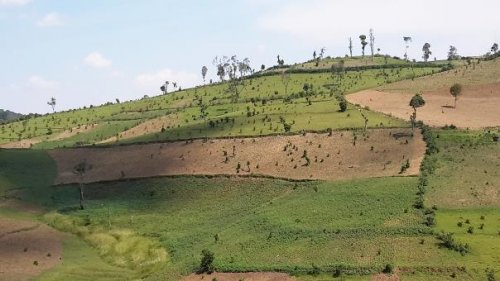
<point x="388" y="269"/>
<point x="206" y="263"/>
<point x="342" y="103"/>
<point x="449" y="242"/>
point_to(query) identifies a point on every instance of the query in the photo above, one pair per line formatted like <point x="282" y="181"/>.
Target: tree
<point x="456" y="91"/>
<point x="52" y="103"/>
<point x="452" y="53"/>
<point x="494" y="48"/>
<point x="81" y="169"/>
<point x="281" y="62"/>
<point x="362" y="37"/>
<point x="322" y="53"/>
<point x="221" y="64"/>
<point x="164" y="87"/>
<point x="207" y="262"/>
<point x="364" y="118"/>
<point x="314" y="55"/>
<point x="244" y="67"/>
<point x="372" y="42"/>
<point x="262" y="67"/>
<point x="407" y="40"/>
<point x="204" y="71"/>
<point x="342" y="102"/>
<point x="427" y="51"/>
<point x="350" y="46"/>
<point x="416" y="102"/>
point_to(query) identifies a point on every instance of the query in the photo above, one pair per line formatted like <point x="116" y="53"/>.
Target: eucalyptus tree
<point x="362" y="37"/>
<point x="426" y="49"/>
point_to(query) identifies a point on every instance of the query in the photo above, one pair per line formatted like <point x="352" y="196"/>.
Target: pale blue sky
<point x="91" y="52"/>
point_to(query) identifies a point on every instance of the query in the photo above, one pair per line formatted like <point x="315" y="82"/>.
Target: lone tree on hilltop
<point x="350" y="46"/>
<point x="494" y="48"/>
<point x="204" y="71"/>
<point x="427" y="51"/>
<point x="407" y="40"/>
<point x="281" y="61"/>
<point x="164" y="87"/>
<point x="415" y="102"/>
<point x="52" y="103"/>
<point x="362" y="37"/>
<point x="453" y="53"/>
<point x="372" y="42"/>
<point x="81" y="169"/>
<point x="456" y="91"/>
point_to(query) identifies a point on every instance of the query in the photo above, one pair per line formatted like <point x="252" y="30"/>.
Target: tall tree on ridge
<point x="362" y="37"/>
<point x="407" y="40"/>
<point x="350" y="46"/>
<point x="372" y="42"/>
<point x="427" y="51"/>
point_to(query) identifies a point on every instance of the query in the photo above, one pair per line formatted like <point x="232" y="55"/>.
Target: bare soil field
<point x="343" y="155"/>
<point x="27" y="143"/>
<point x="148" y="127"/>
<point x="27" y="249"/>
<point x="477" y="107"/>
<point x="249" y="276"/>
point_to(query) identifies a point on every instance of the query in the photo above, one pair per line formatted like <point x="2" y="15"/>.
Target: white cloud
<point x="40" y="83"/>
<point x="153" y="81"/>
<point x="14" y="2"/>
<point x="97" y="60"/>
<point x="50" y="20"/>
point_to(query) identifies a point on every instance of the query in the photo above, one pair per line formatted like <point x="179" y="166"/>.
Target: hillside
<point x="6" y="115"/>
<point x="254" y="108"/>
<point x="267" y="173"/>
<point x="477" y="105"/>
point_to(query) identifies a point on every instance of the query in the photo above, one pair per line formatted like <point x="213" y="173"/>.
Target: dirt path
<point x="27" y="249"/>
<point x="27" y="143"/>
<point x="478" y="107"/>
<point x="148" y="127"/>
<point x="344" y="155"/>
<point x="250" y="276"/>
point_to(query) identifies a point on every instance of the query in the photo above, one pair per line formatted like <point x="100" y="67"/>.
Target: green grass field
<point x="155" y="229"/>
<point x="256" y="98"/>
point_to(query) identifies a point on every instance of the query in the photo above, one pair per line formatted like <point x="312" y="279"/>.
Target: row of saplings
<point x="208" y="258"/>
<point x="426" y="169"/>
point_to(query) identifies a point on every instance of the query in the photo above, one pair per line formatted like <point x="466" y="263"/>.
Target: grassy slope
<point x="271" y="225"/>
<point x="27" y="176"/>
<point x="466" y="189"/>
<point x="484" y="72"/>
<point x="117" y="117"/>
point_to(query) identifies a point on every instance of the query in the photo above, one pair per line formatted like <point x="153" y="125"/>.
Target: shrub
<point x="388" y="268"/>
<point x="206" y="263"/>
<point x="449" y="242"/>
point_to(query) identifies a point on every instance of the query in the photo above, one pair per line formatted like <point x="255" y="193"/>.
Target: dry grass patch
<point x="343" y="155"/>
<point x="147" y="127"/>
<point x="477" y="107"/>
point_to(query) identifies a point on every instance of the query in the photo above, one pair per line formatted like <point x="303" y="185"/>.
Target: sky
<point x="92" y="52"/>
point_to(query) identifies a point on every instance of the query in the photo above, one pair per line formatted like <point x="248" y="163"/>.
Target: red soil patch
<point x="27" y="143"/>
<point x="250" y="276"/>
<point x="147" y="127"/>
<point x="23" y="244"/>
<point x="380" y="153"/>
<point x="477" y="107"/>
